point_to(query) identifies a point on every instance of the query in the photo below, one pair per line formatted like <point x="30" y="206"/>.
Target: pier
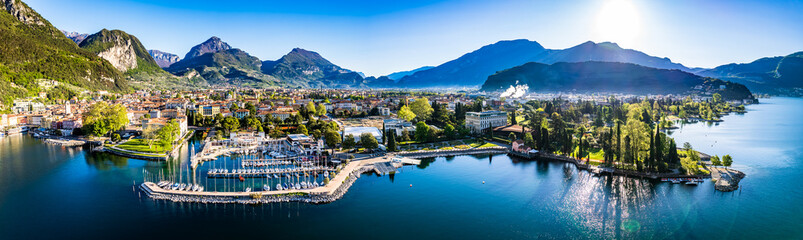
<point x="265" y="174"/>
<point x="65" y="142"/>
<point x="336" y="188"/>
<point x="454" y="152"/>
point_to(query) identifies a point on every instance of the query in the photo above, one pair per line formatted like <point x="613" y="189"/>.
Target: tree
<point x="421" y="108"/>
<point x="512" y="137"/>
<point x="406" y="114"/>
<point x="149" y="135"/>
<point x="116" y="137"/>
<point x="368" y="141"/>
<point x="311" y="108"/>
<point x="230" y="124"/>
<point x="331" y="137"/>
<point x="405" y="135"/>
<point x="349" y="142"/>
<point x="168" y="133"/>
<point x="449" y="131"/>
<point x="513" y="118"/>
<point x="528" y="139"/>
<point x="302" y="130"/>
<point x="102" y="118"/>
<point x="423" y="132"/>
<point x="251" y="108"/>
<point x="320" y="110"/>
<point x="717" y="98"/>
<point x="715" y="161"/>
<point x="391" y="140"/>
<point x="727" y="160"/>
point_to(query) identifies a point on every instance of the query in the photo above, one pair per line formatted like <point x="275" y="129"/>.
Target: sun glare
<point x="618" y="21"/>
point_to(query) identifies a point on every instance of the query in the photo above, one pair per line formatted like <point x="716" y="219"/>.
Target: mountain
<point x="75" y="37"/>
<point x="399" y="75"/>
<point x="609" y="52"/>
<point x="212" y="45"/>
<point x="473" y="68"/>
<point x="774" y="75"/>
<point x="306" y="68"/>
<point x="124" y="51"/>
<point x="33" y="49"/>
<point x="163" y="59"/>
<point x="230" y="66"/>
<point x="610" y="77"/>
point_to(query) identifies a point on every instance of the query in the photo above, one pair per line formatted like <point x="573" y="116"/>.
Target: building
<point x="307" y="144"/>
<point x="28" y="106"/>
<point x="207" y="111"/>
<point x="241" y="113"/>
<point x="479" y="121"/>
<point x="384" y="111"/>
<point x="399" y="126"/>
<point x="357" y="131"/>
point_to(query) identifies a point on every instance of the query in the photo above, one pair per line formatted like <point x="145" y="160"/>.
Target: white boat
<point x="278" y="186"/>
<point x="194" y="188"/>
<point x="692" y="183"/>
<point x="265" y="188"/>
<point x="201" y="189"/>
<point x="675" y="181"/>
<point x="247" y="189"/>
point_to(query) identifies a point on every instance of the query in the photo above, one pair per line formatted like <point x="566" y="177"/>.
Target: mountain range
<point x="612" y="77"/>
<point x="218" y="63"/>
<point x="473" y="68"/>
<point x="775" y="75"/>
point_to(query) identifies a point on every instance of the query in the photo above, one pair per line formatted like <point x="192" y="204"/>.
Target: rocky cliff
<point x="121" y="49"/>
<point x="164" y="59"/>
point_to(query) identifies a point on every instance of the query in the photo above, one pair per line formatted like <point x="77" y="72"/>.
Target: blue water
<point x="53" y="192"/>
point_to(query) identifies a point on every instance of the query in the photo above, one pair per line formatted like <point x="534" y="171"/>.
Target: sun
<point x="618" y="21"/>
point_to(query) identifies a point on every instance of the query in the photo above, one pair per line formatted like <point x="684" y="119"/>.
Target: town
<point x="316" y="133"/>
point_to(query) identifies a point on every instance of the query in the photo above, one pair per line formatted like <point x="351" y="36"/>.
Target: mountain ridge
<point x="474" y="67"/>
<point x="617" y="77"/>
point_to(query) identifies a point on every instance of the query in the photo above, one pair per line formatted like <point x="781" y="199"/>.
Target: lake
<point x="53" y="192"/>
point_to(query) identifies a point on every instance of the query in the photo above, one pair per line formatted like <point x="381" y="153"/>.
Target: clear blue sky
<point x="378" y="37"/>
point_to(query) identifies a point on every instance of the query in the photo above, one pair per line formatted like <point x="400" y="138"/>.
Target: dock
<point x="265" y="174"/>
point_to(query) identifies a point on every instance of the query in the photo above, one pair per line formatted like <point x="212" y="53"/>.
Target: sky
<point x="379" y="37"/>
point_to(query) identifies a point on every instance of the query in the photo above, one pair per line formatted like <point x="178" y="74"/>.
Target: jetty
<point x="258" y="174"/>
<point x="454" y="152"/>
<point x="330" y="192"/>
<point x="65" y="142"/>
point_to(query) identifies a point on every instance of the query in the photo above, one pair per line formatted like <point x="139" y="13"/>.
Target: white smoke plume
<point x="515" y="91"/>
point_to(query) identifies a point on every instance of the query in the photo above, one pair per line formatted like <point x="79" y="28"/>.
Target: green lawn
<point x="595" y="153"/>
<point x="139" y="145"/>
<point x="487" y="145"/>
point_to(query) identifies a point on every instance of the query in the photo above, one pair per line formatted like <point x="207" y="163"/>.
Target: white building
<point x="478" y="121"/>
<point x="398" y="126"/>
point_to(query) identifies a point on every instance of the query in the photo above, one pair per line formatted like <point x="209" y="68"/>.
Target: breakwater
<point x="333" y="191"/>
<point x="65" y="142"/>
<point x="454" y="152"/>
